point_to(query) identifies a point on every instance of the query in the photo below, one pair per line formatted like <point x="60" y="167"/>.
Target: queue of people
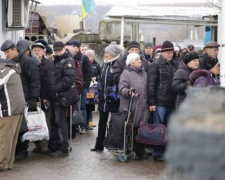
<point x="159" y="75"/>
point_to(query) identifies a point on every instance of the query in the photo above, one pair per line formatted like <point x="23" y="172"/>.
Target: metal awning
<point x="174" y="15"/>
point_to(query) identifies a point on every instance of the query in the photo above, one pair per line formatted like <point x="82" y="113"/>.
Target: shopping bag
<point x="37" y="126"/>
<point x="92" y="94"/>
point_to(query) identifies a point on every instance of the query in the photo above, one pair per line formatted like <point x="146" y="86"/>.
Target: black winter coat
<point x="105" y="80"/>
<point x="201" y="66"/>
<point x="120" y="64"/>
<point x="30" y="76"/>
<point x="181" y="82"/>
<point x="159" y="86"/>
<point x="61" y="75"/>
<point x="44" y="67"/>
<point x="86" y="68"/>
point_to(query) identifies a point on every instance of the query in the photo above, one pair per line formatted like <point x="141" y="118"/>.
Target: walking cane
<point x="71" y="109"/>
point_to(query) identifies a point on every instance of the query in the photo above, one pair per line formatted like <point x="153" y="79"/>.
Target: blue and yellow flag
<point x="87" y="7"/>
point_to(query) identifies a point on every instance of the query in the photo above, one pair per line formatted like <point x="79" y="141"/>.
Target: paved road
<point x="82" y="164"/>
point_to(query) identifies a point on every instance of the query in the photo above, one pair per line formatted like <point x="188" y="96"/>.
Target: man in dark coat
<point x="31" y="87"/>
<point x="61" y="77"/>
<point x="161" y="99"/>
<point x="87" y="71"/>
<point x="38" y="49"/>
<point x="119" y="65"/>
<point x="148" y="51"/>
<point x="211" y="50"/>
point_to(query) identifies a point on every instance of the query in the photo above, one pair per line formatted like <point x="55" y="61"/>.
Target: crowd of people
<point x="159" y="74"/>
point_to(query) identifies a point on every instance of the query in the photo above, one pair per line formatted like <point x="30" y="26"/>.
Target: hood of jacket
<point x="196" y="74"/>
<point x="11" y="64"/>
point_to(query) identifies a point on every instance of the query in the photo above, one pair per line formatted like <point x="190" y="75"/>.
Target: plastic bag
<point x="37" y="126"/>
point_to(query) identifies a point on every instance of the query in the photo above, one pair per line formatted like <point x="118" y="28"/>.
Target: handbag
<point x="154" y="134"/>
<point x="37" y="126"/>
<point x="92" y="94"/>
<point x="77" y="118"/>
<point x="69" y="97"/>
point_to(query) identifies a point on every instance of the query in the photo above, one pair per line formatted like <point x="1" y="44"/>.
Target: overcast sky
<point x="118" y="2"/>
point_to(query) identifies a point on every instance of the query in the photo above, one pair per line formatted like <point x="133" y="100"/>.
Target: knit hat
<point x="190" y="56"/>
<point x="113" y="50"/>
<point x="167" y="46"/>
<point x="58" y="45"/>
<point x="40" y="45"/>
<point x="209" y="62"/>
<point x="7" y="45"/>
<point x="48" y="49"/>
<point x="75" y="43"/>
<point x="148" y="44"/>
<point x="131" y="57"/>
<point x="23" y="45"/>
<point x="156" y="48"/>
<point x="133" y="44"/>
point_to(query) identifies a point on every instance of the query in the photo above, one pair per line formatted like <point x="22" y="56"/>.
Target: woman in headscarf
<point x="107" y="93"/>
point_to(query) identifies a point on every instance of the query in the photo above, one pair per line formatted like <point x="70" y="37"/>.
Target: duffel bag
<point x="154" y="134"/>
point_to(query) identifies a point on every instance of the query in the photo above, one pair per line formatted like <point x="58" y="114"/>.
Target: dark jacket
<point x="30" y="76"/>
<point x="201" y="66"/>
<point x="61" y="75"/>
<point x="95" y="69"/>
<point x="120" y="64"/>
<point x="159" y="86"/>
<point x="134" y="77"/>
<point x="44" y="67"/>
<point x="106" y="103"/>
<point x="86" y="68"/>
<point x="204" y="78"/>
<point x="181" y="82"/>
<point x="148" y="57"/>
<point x="11" y="91"/>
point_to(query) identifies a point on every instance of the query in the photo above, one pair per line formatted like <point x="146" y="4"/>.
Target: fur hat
<point x="209" y="62"/>
<point x="131" y="57"/>
<point x="167" y="46"/>
<point x="133" y="44"/>
<point x="190" y="56"/>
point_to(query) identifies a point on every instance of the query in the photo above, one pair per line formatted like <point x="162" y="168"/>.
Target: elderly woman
<point x="208" y="77"/>
<point x="134" y="76"/>
<point x="94" y="77"/>
<point x="181" y="79"/>
<point x="108" y="100"/>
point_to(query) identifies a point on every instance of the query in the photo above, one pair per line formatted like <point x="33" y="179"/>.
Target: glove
<point x="32" y="104"/>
